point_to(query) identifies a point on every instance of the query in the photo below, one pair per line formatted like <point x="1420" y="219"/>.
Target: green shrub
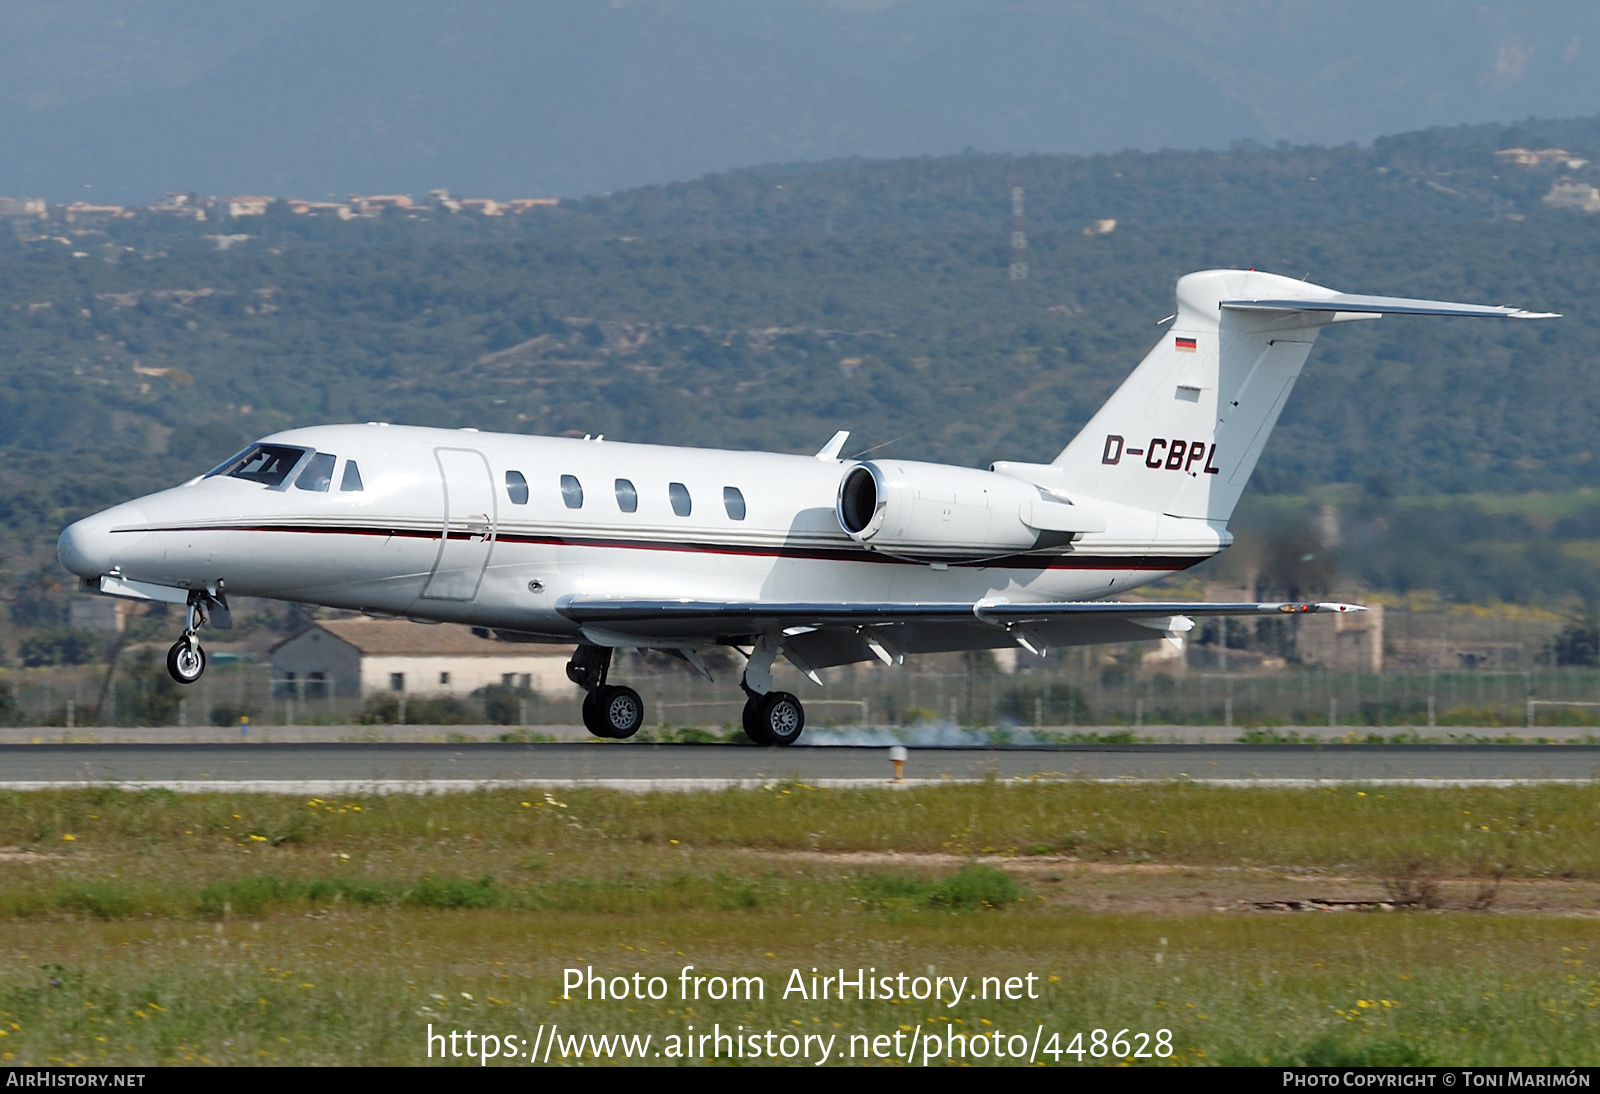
<point x="454" y="893"/>
<point x="968" y="889"/>
<point x="101" y="899"/>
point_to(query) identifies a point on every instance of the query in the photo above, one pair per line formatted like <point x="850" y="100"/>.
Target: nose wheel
<point x="186" y="660"/>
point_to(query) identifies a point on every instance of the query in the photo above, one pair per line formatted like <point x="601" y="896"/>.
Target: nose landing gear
<point x="186" y="661"/>
<point x="609" y="710"/>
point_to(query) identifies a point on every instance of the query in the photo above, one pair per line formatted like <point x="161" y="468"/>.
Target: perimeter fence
<point x="1061" y="699"/>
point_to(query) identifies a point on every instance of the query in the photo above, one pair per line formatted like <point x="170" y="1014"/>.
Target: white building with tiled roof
<point x="368" y="656"/>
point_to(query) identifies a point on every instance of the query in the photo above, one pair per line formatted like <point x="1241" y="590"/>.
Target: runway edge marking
<point x="349" y="787"/>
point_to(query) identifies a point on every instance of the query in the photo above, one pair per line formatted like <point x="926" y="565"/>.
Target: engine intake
<point x="860" y="501"/>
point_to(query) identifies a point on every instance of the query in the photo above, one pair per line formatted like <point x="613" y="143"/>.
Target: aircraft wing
<point x="835" y="633"/>
<point x="711" y="617"/>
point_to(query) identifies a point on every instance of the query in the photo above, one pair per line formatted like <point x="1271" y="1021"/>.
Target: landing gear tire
<point x="613" y="712"/>
<point x="186" y="661"/>
<point x="752" y="721"/>
<point x="776" y="718"/>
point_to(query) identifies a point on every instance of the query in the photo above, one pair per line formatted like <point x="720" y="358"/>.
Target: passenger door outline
<point x="467" y="537"/>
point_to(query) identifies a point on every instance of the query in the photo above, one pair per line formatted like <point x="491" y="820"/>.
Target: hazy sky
<point x="124" y="99"/>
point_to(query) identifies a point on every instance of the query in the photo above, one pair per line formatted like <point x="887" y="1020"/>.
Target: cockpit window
<point x="229" y="462"/>
<point x="318" y="475"/>
<point x="268" y="464"/>
<point x="351" y="482"/>
<point x="517" y="487"/>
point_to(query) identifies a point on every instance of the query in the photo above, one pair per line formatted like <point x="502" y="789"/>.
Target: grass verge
<point x="249" y="928"/>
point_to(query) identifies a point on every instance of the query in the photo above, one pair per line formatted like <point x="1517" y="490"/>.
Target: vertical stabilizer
<point x="1183" y="433"/>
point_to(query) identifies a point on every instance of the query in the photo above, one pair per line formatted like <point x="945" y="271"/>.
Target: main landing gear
<point x="770" y="717"/>
<point x="615" y="712"/>
<point x="186" y="660"/>
<point x="775" y="718"/>
<point x="609" y="710"/>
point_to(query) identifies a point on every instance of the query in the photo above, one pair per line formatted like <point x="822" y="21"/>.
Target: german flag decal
<point x="1185" y="345"/>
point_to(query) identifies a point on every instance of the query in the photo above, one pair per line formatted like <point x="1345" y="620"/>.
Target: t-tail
<point x="1183" y="433"/>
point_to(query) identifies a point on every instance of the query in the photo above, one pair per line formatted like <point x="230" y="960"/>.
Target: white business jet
<point x="826" y="561"/>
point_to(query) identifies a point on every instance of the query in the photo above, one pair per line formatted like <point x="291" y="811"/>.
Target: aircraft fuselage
<point x="442" y="528"/>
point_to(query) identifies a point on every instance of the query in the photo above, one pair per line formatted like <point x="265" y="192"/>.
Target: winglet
<point x="831" y="450"/>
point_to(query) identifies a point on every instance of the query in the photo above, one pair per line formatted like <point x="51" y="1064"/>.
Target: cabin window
<point x="627" y="496"/>
<point x="351" y="482"/>
<point x="516" y="488"/>
<point x="679" y="496"/>
<point x="268" y="464"/>
<point x="733" y="502"/>
<point x="318" y="475"/>
<point x="572" y="491"/>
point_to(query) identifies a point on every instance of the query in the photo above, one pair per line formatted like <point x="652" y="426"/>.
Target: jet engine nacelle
<point x="899" y="505"/>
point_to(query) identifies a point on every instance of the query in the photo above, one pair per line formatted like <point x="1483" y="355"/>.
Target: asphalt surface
<point x="421" y="763"/>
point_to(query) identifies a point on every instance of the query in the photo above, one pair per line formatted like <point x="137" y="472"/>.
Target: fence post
<point x="1333" y="712"/>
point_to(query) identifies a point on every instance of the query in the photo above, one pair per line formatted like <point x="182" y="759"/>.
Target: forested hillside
<point x="769" y="308"/>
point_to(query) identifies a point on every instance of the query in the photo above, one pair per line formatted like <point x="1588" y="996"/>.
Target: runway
<point x="378" y="767"/>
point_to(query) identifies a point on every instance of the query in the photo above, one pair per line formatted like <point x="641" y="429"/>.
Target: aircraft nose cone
<point x="86" y="547"/>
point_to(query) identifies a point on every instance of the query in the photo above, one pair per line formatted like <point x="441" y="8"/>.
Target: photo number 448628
<point x="1124" y="1045"/>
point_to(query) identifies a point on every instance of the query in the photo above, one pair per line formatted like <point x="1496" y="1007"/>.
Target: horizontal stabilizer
<point x="1386" y="305"/>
